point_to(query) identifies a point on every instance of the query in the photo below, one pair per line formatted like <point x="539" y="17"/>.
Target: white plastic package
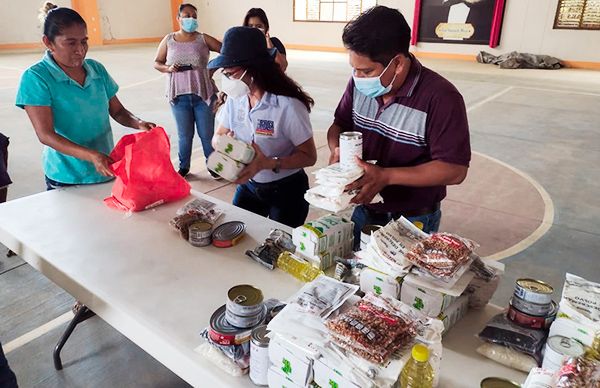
<point x="322" y="296"/>
<point x="507" y="357"/>
<point x="540" y="378"/>
<point x="219" y="359"/>
<point x="304" y="313"/>
<point x="395" y="239"/>
<point x="579" y="310"/>
<point x="583" y="296"/>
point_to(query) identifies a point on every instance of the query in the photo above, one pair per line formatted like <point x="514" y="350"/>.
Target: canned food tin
<point x="534" y="291"/>
<point x="558" y="349"/>
<point x="498" y="382"/>
<point x="351" y="145"/>
<point x="529" y="321"/>
<point x="228" y="234"/>
<point x="538" y="310"/>
<point x="245" y="300"/>
<point x="259" y="355"/>
<point x="246" y="322"/>
<point x="200" y="233"/>
<point x="222" y="333"/>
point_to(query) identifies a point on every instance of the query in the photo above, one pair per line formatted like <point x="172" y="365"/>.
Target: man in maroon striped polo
<point x="413" y="121"/>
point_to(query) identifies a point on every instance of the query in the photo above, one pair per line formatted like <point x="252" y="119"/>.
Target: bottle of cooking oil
<point x="297" y="267"/>
<point x="417" y="372"/>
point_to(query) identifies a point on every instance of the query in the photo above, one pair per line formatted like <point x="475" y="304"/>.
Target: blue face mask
<point x="372" y="86"/>
<point x="189" y="24"/>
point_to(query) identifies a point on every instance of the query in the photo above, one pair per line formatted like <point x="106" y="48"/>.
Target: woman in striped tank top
<point x="183" y="56"/>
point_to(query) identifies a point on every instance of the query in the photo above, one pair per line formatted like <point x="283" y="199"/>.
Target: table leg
<point x="82" y="313"/>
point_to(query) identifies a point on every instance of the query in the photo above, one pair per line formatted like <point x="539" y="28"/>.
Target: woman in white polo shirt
<point x="269" y="110"/>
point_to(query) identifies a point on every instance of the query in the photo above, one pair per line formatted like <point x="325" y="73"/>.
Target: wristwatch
<point x="277" y="165"/>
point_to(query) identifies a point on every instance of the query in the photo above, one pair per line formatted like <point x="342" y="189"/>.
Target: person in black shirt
<point x="257" y="18"/>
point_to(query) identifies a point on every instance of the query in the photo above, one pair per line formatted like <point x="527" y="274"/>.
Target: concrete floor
<point x="531" y="198"/>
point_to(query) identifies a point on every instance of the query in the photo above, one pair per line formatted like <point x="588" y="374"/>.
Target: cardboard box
<point x="431" y="302"/>
<point x="379" y="283"/>
<point x="454" y="313"/>
<point x="292" y="358"/>
<point x="223" y="165"/>
<point x="327" y="375"/>
<point x="278" y="380"/>
<point x="235" y="149"/>
<point x="324" y="235"/>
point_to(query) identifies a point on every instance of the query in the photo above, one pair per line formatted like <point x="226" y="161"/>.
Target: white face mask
<point x="234" y="87"/>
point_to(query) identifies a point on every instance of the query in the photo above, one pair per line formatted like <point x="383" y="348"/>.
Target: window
<point x="330" y="10"/>
<point x="578" y="14"/>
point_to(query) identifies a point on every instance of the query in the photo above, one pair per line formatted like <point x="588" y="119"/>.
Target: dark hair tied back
<point x="55" y="19"/>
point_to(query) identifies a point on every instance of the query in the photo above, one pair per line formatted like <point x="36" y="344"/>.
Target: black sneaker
<point x="183" y="171"/>
<point x="215" y="176"/>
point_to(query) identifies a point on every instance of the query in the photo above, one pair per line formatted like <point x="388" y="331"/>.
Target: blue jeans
<point x="282" y="200"/>
<point x="7" y="377"/>
<point x="363" y="216"/>
<point x="190" y="109"/>
<point x="52" y="184"/>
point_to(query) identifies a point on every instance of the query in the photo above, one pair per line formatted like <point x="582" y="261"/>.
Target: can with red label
<point x="223" y="333"/>
<point x="531" y="321"/>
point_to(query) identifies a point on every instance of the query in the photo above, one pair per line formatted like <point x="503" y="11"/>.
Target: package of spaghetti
<point x="374" y="328"/>
<point x="441" y="254"/>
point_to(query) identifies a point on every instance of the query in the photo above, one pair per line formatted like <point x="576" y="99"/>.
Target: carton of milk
<point x="223" y="165"/>
<point x="430" y="302"/>
<point x="293" y="358"/>
<point x="324" y="234"/>
<point x="235" y="149"/>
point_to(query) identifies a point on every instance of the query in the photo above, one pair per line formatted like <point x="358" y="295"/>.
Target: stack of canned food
<point x="531" y="304"/>
<point x="232" y="323"/>
<point x="241" y="322"/>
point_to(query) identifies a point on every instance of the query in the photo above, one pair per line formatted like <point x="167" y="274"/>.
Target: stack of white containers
<point x="323" y="239"/>
<point x="330" y="192"/>
<point x="230" y="157"/>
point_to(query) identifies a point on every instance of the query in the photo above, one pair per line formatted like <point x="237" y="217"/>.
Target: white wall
<point x="527" y="28"/>
<point x="132" y="19"/>
<point x="19" y="21"/>
<point x="527" y="25"/>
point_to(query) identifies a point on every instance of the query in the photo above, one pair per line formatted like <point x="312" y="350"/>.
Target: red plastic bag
<point x="145" y="176"/>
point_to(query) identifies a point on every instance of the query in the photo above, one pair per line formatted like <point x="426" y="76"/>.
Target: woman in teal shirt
<point x="69" y="99"/>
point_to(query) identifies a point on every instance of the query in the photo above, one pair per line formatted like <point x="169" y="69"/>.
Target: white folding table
<point x="139" y="276"/>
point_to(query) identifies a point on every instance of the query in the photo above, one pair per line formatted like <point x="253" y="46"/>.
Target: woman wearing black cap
<point x="269" y="110"/>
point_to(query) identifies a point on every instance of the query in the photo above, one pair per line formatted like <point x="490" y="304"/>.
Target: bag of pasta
<point x="441" y="254"/>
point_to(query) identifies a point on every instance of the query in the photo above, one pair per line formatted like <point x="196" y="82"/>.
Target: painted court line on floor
<point x="133" y="85"/>
<point x="564" y="91"/>
<point x="37" y="332"/>
<point x="490" y="98"/>
<point x="547" y="220"/>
